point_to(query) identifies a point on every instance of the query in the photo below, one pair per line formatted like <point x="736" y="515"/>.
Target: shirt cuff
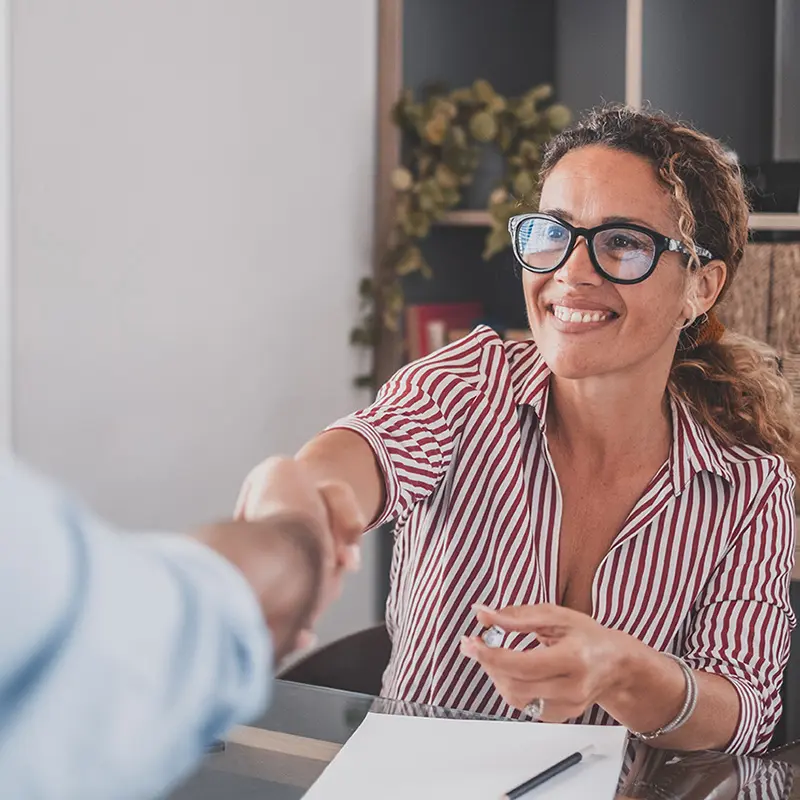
<point x="372" y="436"/>
<point x="745" y="737"/>
<point x="233" y="596"/>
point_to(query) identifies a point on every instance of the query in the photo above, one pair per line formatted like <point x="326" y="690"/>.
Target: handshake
<point x="293" y="538"/>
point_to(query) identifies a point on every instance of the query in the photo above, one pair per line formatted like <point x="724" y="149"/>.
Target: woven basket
<point x="784" y="323"/>
<point x="764" y="303"/>
<point x="746" y="307"/>
<point x="784" y="312"/>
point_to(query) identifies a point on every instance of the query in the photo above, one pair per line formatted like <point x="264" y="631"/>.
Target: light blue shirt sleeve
<point x="122" y="656"/>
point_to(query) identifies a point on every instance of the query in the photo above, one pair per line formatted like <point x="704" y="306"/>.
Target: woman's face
<point x="639" y="324"/>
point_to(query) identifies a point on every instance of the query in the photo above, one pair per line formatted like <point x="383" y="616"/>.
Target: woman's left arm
<point x="737" y="645"/>
<point x="585" y="663"/>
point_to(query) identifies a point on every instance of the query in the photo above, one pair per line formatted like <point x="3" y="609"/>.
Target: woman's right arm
<point x="378" y="463"/>
<point x="340" y="466"/>
<point x="342" y="455"/>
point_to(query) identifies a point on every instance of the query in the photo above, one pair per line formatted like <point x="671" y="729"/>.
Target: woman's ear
<point x="708" y="282"/>
<point x="711" y="280"/>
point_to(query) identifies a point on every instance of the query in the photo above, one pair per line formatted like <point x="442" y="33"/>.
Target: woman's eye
<point x="622" y="242"/>
<point x="555" y="233"/>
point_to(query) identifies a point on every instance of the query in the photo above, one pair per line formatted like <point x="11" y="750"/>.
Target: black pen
<point x="550" y="772"/>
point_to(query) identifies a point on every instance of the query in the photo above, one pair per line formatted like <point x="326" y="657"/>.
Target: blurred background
<point x="201" y="200"/>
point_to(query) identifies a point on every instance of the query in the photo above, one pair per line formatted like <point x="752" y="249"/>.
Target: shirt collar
<point x="530" y="377"/>
<point x="693" y="449"/>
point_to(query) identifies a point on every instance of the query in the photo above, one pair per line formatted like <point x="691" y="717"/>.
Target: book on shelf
<point x="430" y="326"/>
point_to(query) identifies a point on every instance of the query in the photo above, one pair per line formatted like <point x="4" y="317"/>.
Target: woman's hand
<point x="280" y="486"/>
<point x="578" y="664"/>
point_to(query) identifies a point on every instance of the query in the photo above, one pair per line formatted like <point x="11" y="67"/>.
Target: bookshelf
<point x="477" y="218"/>
<point x="775" y="222"/>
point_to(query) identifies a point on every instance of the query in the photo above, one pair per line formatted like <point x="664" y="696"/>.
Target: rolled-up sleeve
<point x="742" y="622"/>
<point x="415" y="422"/>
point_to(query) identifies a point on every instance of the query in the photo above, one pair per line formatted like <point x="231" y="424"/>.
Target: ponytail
<point x="735" y="388"/>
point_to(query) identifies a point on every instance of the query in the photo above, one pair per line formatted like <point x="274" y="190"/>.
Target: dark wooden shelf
<point x="477" y="218"/>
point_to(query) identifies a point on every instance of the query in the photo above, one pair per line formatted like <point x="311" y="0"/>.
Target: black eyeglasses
<point x="621" y="253"/>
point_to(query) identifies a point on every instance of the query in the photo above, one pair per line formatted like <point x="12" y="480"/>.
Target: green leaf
<point x="445" y="177"/>
<point x="451" y="197"/>
<point x="528" y="116"/>
<point x="364" y="381"/>
<point x="496" y="242"/>
<point x="462" y="96"/>
<point x="498" y="197"/>
<point x="523" y="183"/>
<point x="508" y="127"/>
<point x="446" y="107"/>
<point x="418" y="224"/>
<point x="410" y="262"/>
<point x="541" y="92"/>
<point x="360" y="336"/>
<point x="402" y="179"/>
<point x="559" y="116"/>
<point x="484" y="91"/>
<point x="435" y="129"/>
<point x="483" y="126"/>
<point x="458" y="136"/>
<point x="430" y="196"/>
<point x="392" y="305"/>
<point x="530" y="151"/>
<point x="390" y="321"/>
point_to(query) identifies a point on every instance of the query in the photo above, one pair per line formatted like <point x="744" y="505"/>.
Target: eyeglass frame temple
<point x="675" y="246"/>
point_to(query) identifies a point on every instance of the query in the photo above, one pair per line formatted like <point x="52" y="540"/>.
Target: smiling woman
<point x="615" y="495"/>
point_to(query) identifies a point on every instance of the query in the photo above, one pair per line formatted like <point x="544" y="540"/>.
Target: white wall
<point x="192" y="211"/>
<point x="5" y="226"/>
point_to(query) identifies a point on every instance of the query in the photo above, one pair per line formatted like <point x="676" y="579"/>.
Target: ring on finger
<point x="534" y="709"/>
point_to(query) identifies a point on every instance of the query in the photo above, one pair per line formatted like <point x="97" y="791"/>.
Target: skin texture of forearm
<point x="345" y="456"/>
<point x="651" y="693"/>
<point x="281" y="559"/>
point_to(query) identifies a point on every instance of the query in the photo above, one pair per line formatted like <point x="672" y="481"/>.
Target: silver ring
<point x="534" y="709"/>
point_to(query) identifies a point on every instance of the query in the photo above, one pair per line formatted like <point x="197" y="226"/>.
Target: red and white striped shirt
<point x="700" y="568"/>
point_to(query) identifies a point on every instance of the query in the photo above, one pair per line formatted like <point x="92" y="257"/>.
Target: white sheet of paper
<point x="396" y="758"/>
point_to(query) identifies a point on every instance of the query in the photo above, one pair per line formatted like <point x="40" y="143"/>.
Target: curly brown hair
<point x="732" y="384"/>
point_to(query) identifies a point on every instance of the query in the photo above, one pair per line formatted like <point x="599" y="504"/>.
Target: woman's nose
<point x="578" y="269"/>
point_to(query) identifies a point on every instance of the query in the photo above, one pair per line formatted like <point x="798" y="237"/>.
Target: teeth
<point x="571" y="315"/>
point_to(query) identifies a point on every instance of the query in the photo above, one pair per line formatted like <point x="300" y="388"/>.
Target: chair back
<point x="355" y="663"/>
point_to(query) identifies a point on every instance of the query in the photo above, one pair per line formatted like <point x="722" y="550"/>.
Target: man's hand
<point x="281" y="558"/>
